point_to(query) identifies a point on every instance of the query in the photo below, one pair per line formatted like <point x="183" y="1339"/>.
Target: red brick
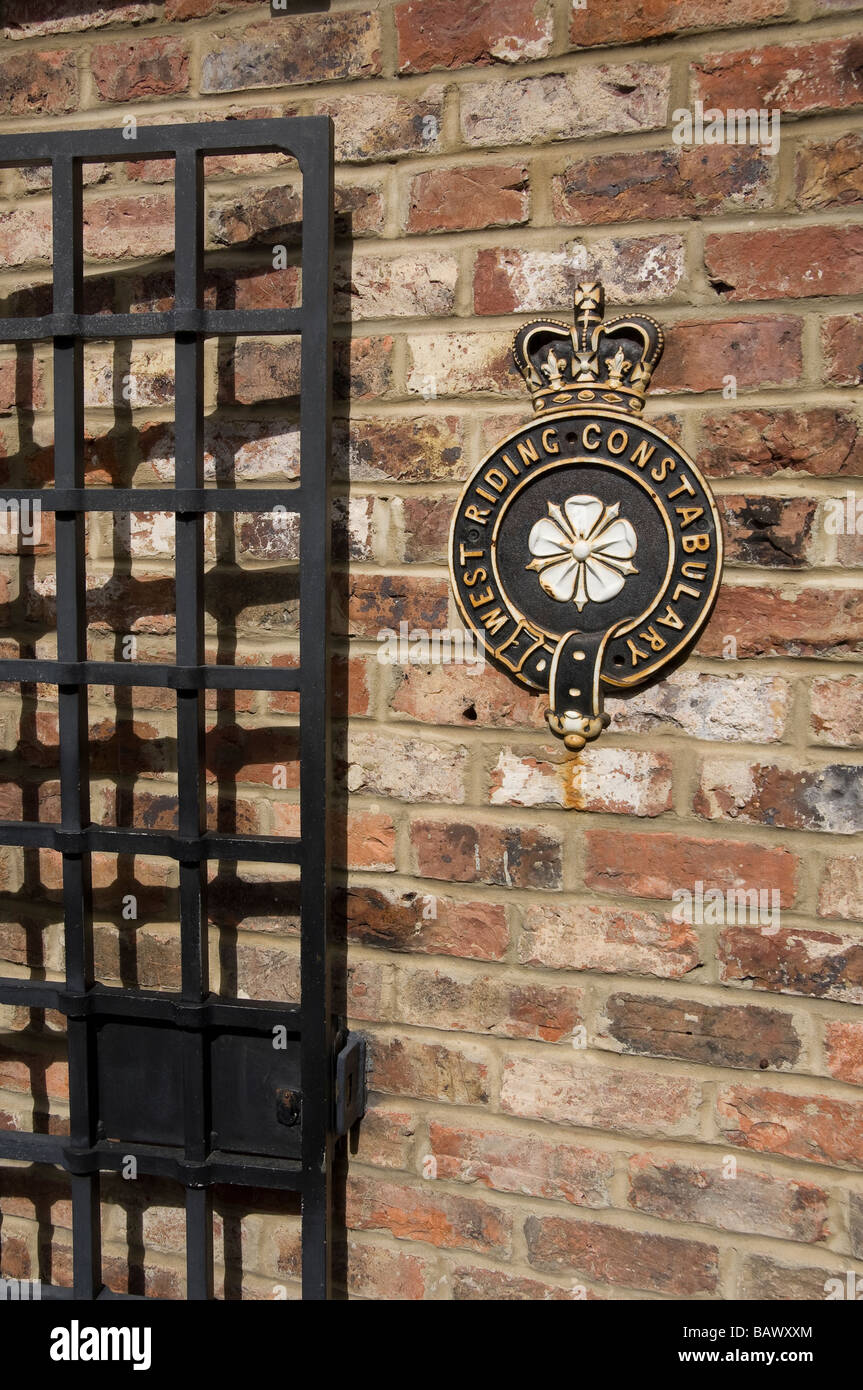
<point x="466" y="696"/>
<point x="498" y="1285"/>
<point x="757" y="352"/>
<point x="623" y="1258"/>
<point x="386" y="1138"/>
<point x="376" y="601"/>
<point x="156" y="67"/>
<point x="779" y="622"/>
<point x="501" y="854"/>
<point x="450" y="1223"/>
<point x="508" y="1161"/>
<point x="381" y="126"/>
<point x="768" y="531"/>
<point x="462" y="364"/>
<point x="785" y="262"/>
<point x="653" y="866"/>
<point x="662" y="183"/>
<point x="425" y="923"/>
<point x="829" y="173"/>
<point x="449" y="34"/>
<point x="762" y="1279"/>
<point x="842" y="343"/>
<point x="792" y="960"/>
<point x="378" y="1272"/>
<point x="45" y="82"/>
<point x="815" y="1128"/>
<point x="821" y="442"/>
<point x="468" y="199"/>
<point x="420" y="285"/>
<point x="608" y="940"/>
<point x="402" y="1066"/>
<point x="841" y="892"/>
<point x="843" y="1050"/>
<point x="599" y="1097"/>
<point x="200" y="9"/>
<point x="619" y="21"/>
<point x="118" y="228"/>
<point x="689" y="1030"/>
<point x="797" y="78"/>
<point x="492" y="1005"/>
<point x="39" y="18"/>
<point x="752" y="1203"/>
<point x="426" y="522"/>
<point x="365" y="840"/>
<point x="826" y="798"/>
<point x="292" y="51"/>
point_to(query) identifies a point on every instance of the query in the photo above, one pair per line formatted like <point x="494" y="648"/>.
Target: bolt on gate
<point x="189" y="1084"/>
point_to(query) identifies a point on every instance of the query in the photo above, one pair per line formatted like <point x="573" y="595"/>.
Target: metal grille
<point x="188" y="1083"/>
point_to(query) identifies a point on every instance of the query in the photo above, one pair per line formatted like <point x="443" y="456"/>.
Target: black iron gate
<point x="188" y="1084"/>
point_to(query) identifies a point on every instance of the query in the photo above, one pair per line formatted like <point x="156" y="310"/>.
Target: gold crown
<point x="593" y="362"/>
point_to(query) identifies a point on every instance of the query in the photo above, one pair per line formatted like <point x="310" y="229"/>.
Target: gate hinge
<point x="350" y="1082"/>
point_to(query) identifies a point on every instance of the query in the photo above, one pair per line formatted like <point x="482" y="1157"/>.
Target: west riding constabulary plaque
<point x="586" y="549"/>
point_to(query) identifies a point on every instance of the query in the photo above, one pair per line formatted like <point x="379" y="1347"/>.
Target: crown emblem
<point x="592" y="362"/>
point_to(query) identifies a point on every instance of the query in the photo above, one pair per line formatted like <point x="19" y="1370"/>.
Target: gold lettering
<point x="693" y="543"/>
<point x="549" y="441"/>
<point x="477" y="515"/>
<point x="666" y="466"/>
<point x="694" y="569"/>
<point x="527" y="452"/>
<point x="487" y="495"/>
<point x="685" y="486"/>
<point x="477" y="577"/>
<point x="624" y="441"/>
<point x="688" y="515"/>
<point x="654" y="639"/>
<point x="510" y="465"/>
<point x="671" y="619"/>
<point x="496" y="479"/>
<point x="592" y="425"/>
<point x="465" y="555"/>
<point x="485" y="597"/>
<point x="643" y="454"/>
<point x="494" y="620"/>
<point x="637" y="653"/>
<point x="684" y="589"/>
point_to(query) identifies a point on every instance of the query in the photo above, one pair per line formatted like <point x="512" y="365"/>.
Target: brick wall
<point x="574" y="1094"/>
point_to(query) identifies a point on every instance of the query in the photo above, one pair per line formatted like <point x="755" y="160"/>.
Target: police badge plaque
<point x="586" y="549"/>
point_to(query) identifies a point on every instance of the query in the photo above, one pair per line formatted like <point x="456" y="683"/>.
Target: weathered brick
<point x="753" y="1203"/>
<point x="663" y="183"/>
<point x="718" y="708"/>
<point x="200" y="9"/>
<point x="468" y="198"/>
<point x="118" y="228"/>
<point x="716" y="1035"/>
<point x="402" y="1066"/>
<point x="797" y="78"/>
<point x="599" y="1097"/>
<point x="812" y="1127"/>
<point x="362" y="840"/>
<point x="621" y="22"/>
<point x="379" y="287"/>
<point x="768" y="531"/>
<point x="299" y="49"/>
<point x="499" y="1285"/>
<point x="785" y="262"/>
<point x="409" y="769"/>
<point x="757" y="352"/>
<point x="386" y="1138"/>
<point x="409" y="1213"/>
<point x="829" y="173"/>
<point x="493" y="1005"/>
<point x="764" y="1278"/>
<point x="154" y="67"/>
<point x="38" y="82"/>
<point x="602" y="100"/>
<point x="586" y="937"/>
<point x="384" y="126"/>
<point x="652" y="866"/>
<point x="25" y="239"/>
<point x="377" y="601"/>
<point x="614" y="1255"/>
<point x="841" y="892"/>
<point x="465" y="695"/>
<point x="625" y="781"/>
<point x="462" y="364"/>
<point x="791" y="960"/>
<point x="425" y="523"/>
<point x="779" y="622"/>
<point x="415" y="449"/>
<point x="517" y="281"/>
<point x="38" y="18"/>
<point x="506" y="855"/>
<point x="508" y="1161"/>
<point x="837" y="711"/>
<point x="377" y="1272"/>
<point x="842" y="342"/>
<point x="828" y="798"/>
<point x="843" y="1051"/>
<point x="426" y="923"/>
<point x="448" y="34"/>
<point x="823" y="442"/>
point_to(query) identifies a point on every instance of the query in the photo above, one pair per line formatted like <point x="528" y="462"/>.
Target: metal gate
<point x="213" y="1100"/>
